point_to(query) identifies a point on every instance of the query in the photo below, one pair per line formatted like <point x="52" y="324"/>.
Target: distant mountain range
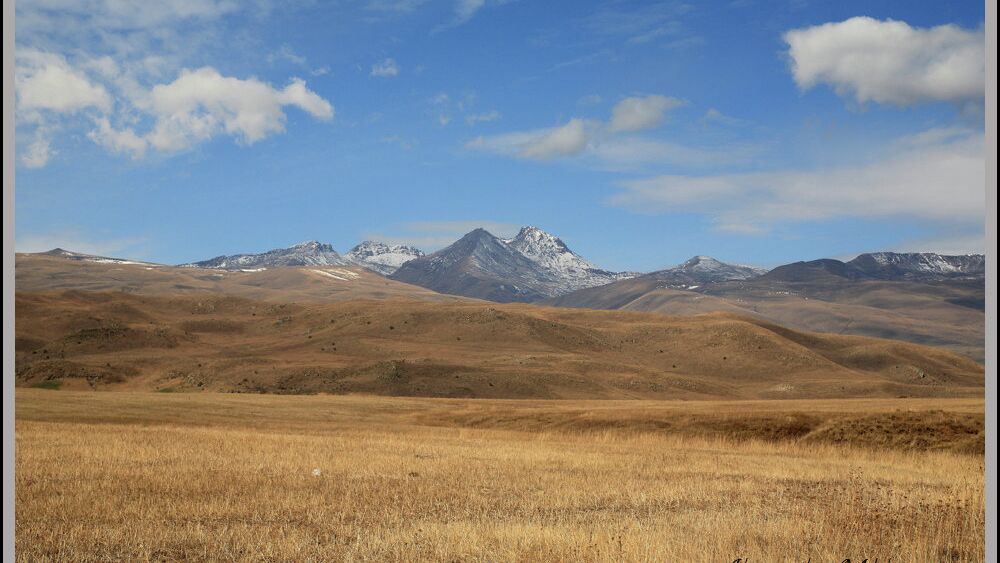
<point x="535" y="265"/>
<point x="890" y="266"/>
<point x="924" y="298"/>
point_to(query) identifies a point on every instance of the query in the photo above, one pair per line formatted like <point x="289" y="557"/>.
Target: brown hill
<point x="43" y="272"/>
<point x="939" y="313"/>
<point x="116" y="340"/>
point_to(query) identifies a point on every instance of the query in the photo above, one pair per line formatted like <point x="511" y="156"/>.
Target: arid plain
<point x="178" y="414"/>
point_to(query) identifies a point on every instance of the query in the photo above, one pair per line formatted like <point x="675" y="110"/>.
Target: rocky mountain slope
<point x="531" y="266"/>
<point x="381" y="257"/>
<point x="309" y="253"/>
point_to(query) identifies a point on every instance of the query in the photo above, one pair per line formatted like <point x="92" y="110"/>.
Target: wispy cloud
<point x="636" y="113"/>
<point x="486" y="116"/>
<point x="939" y="181"/>
<point x="385" y="69"/>
<point x="76" y="241"/>
<point x="434" y="235"/>
<point x="608" y="142"/>
<point x="541" y="144"/>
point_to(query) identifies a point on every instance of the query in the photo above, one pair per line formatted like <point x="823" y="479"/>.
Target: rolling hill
<point x="199" y="341"/>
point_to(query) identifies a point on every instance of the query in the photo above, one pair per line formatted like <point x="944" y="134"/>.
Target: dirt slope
<point x="947" y="314"/>
<point x="115" y="340"/>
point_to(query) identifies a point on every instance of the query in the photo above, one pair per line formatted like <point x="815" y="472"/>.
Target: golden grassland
<point x="201" y="476"/>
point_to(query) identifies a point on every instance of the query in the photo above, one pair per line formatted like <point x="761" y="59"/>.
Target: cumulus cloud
<point x="114" y="71"/>
<point x="541" y="144"/>
<point x="196" y="106"/>
<point x="890" y="62"/>
<point x="47" y="82"/>
<point x="124" y="141"/>
<point x="941" y="179"/>
<point x="385" y="69"/>
<point x="202" y="103"/>
<point x="638" y="113"/>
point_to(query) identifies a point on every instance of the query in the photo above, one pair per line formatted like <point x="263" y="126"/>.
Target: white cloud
<point x="75" y="241"/>
<point x="713" y="115"/>
<point x="118" y="14"/>
<point x="609" y="145"/>
<point x="629" y="152"/>
<point x="465" y="9"/>
<point x="483" y="117"/>
<point x="541" y="144"/>
<point x="890" y="62"/>
<point x="37" y="154"/>
<point x="124" y="141"/>
<point x="286" y="53"/>
<point x="113" y="70"/>
<point x="202" y="103"/>
<point x="940" y="181"/>
<point x="433" y="235"/>
<point x="947" y="243"/>
<point x="638" y="113"/>
<point x="385" y="69"/>
<point x="47" y="82"/>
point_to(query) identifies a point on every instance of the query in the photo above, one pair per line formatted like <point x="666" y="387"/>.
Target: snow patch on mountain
<point x="551" y="253"/>
<point x="97" y="259"/>
<point x="381" y="257"/>
<point x="309" y="253"/>
<point x="922" y="263"/>
<point x="708" y="269"/>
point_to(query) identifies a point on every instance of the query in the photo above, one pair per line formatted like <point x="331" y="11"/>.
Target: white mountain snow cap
<point x="381" y="257"/>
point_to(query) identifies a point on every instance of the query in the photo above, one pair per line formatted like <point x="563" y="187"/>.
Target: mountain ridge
<point x="532" y="265"/>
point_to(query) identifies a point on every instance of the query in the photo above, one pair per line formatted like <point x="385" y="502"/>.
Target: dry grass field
<point x="204" y="476"/>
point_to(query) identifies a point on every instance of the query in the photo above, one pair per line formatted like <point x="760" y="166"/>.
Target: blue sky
<point x="640" y="133"/>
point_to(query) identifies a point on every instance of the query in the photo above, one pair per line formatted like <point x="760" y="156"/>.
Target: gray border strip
<point x="991" y="282"/>
<point x="8" y="280"/>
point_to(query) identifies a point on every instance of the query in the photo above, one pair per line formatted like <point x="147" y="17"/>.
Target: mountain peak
<point x="382" y="257"/>
<point x="308" y="253"/>
<point x="313" y="246"/>
<point x="532" y="265"/>
<point x="701" y="262"/>
<point x="701" y="269"/>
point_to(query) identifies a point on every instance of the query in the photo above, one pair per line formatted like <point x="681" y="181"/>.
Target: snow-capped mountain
<point x="381" y="257"/>
<point x="309" y="253"/>
<point x="552" y="254"/>
<point x="706" y="269"/>
<point x="531" y="266"/>
<point x="887" y="266"/>
<point x="919" y="265"/>
<point x="701" y="270"/>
